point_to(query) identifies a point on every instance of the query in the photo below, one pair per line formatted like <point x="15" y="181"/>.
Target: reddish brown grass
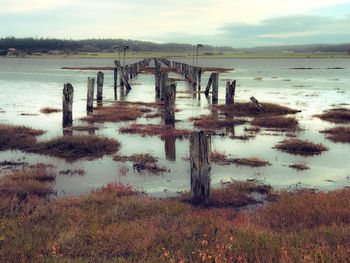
<point x="279" y="122"/>
<point x="338" y="134"/>
<point x="17" y="137"/>
<point x="75" y="147"/>
<point x="221" y="70"/>
<point x="120" y="111"/>
<point x="161" y="130"/>
<point x="48" y="110"/>
<point x="249" y="109"/>
<point x="210" y="122"/>
<point x="296" y="146"/>
<point x="221" y="158"/>
<point x="137" y="158"/>
<point x="337" y="115"/>
<point x="70" y="172"/>
<point x="254" y="129"/>
<point x="299" y="166"/>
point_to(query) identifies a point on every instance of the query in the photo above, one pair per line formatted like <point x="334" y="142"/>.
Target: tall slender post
<point x="67" y="105"/>
<point x="200" y="147"/>
<point x="215" y="94"/>
<point x="90" y="95"/>
<point x="199" y="78"/>
<point x="157" y="75"/>
<point x="115" y="83"/>
<point x="210" y="81"/>
<point x="100" y="78"/>
<point x="169" y="106"/>
<point x="163" y="81"/>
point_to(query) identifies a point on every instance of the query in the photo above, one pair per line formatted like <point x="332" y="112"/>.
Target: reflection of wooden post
<point x="90" y="95"/>
<point x="67" y="105"/>
<point x="100" y="78"/>
<point x="169" y="106"/>
<point x="163" y="81"/>
<point x="170" y="150"/>
<point x="157" y="77"/>
<point x="215" y="94"/>
<point x="199" y="78"/>
<point x="200" y="167"/>
<point x="115" y="83"/>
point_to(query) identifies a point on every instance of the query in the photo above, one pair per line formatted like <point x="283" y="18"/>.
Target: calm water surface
<point x="27" y="85"/>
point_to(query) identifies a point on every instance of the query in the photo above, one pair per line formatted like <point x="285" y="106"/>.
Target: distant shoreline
<point x="221" y="55"/>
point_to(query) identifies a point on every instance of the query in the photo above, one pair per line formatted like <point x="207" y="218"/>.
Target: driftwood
<point x="200" y="147"/>
<point x="123" y="78"/>
<point x="67" y="105"/>
<point x="257" y="104"/>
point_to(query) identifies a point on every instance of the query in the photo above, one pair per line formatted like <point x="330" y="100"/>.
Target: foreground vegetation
<point x="119" y="224"/>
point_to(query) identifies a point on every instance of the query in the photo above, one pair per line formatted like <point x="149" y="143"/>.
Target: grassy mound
<point x="279" y="122"/>
<point x="17" y="137"/>
<point x="338" y="134"/>
<point x="210" y="122"/>
<point x="76" y="147"/>
<point x="249" y="109"/>
<point x="337" y="115"/>
<point x="296" y="146"/>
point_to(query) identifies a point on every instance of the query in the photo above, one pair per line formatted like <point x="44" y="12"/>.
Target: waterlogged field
<point x="27" y="86"/>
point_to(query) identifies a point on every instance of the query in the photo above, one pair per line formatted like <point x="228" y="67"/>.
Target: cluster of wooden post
<point x="191" y="73"/>
<point x="200" y="148"/>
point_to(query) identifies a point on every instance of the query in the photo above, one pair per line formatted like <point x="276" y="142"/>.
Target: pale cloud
<point x="213" y="21"/>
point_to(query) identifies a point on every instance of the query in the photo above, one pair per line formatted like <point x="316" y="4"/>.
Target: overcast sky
<point x="237" y="23"/>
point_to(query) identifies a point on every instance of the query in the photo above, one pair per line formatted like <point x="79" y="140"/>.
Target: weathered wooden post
<point x="230" y="90"/>
<point x="200" y="147"/>
<point x="208" y="85"/>
<point x="215" y="94"/>
<point x="169" y="105"/>
<point x="67" y="105"/>
<point x="123" y="76"/>
<point x="100" y="78"/>
<point x="257" y="104"/>
<point x="115" y="83"/>
<point x="90" y="95"/>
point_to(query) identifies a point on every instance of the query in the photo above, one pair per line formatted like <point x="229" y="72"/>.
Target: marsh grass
<point x="338" y="134"/>
<point x="210" y="122"/>
<point x="121" y="111"/>
<point x="222" y="159"/>
<point x="48" y="110"/>
<point x="296" y="146"/>
<point x="279" y="122"/>
<point x="119" y="224"/>
<point x="337" y="115"/>
<point x="248" y="109"/>
<point x="75" y="147"/>
<point x="17" y="137"/>
<point x="161" y="130"/>
<point x="27" y="181"/>
<point x="300" y="166"/>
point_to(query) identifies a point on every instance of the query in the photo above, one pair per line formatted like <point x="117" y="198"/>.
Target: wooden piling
<point x="163" y="81"/>
<point x="230" y="92"/>
<point x="100" y="78"/>
<point x="67" y="105"/>
<point x="169" y="106"/>
<point x="200" y="147"/>
<point x="123" y="75"/>
<point x="115" y="83"/>
<point x="199" y="76"/>
<point x="210" y="81"/>
<point x="90" y="95"/>
<point x="215" y="95"/>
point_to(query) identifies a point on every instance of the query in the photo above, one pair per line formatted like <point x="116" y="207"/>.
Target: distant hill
<point x="110" y="45"/>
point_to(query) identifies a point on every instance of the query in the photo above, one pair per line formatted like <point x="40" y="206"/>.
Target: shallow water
<point x="27" y="85"/>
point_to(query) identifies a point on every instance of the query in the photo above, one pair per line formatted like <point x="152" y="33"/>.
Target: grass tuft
<point x="337" y="115"/>
<point x="279" y="122"/>
<point x="338" y="134"/>
<point x="48" y="110"/>
<point x="296" y="146"/>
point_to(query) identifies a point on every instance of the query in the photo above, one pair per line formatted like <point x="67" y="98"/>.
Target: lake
<point x="309" y="85"/>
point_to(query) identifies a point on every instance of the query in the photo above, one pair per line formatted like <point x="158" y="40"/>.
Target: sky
<point x="236" y="23"/>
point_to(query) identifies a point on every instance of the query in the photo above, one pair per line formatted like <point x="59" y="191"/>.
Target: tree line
<point x="111" y="45"/>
